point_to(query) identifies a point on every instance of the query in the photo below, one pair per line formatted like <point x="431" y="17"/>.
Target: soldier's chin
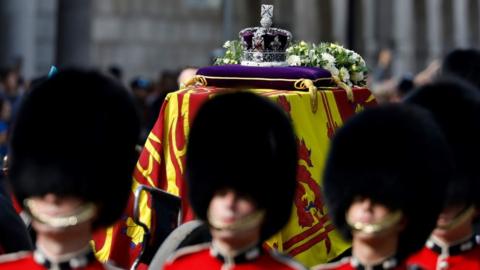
<point x="225" y="234"/>
<point x="220" y="225"/>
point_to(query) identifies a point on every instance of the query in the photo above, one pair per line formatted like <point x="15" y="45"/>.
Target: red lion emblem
<point x="307" y="209"/>
<point x="308" y="201"/>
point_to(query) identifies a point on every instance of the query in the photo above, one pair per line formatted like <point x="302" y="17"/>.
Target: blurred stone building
<point x="145" y="37"/>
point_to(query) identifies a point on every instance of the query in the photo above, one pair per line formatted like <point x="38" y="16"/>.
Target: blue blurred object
<point x="140" y="83"/>
<point x="53" y="71"/>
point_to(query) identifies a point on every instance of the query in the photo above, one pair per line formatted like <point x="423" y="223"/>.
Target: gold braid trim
<point x="300" y="84"/>
<point x="345" y="87"/>
<point x="196" y="80"/>
<point x="303" y="84"/>
<point x="254" y="79"/>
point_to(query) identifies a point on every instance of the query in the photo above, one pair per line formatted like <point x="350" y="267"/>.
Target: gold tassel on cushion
<point x="303" y="84"/>
<point x="196" y="80"/>
<point x="345" y="87"/>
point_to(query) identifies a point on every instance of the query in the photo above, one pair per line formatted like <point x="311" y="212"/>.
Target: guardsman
<point x="241" y="173"/>
<point x="71" y="161"/>
<point x="453" y="244"/>
<point x="384" y="182"/>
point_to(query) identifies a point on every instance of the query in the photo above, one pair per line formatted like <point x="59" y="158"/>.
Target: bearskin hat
<point x="455" y="106"/>
<point x="463" y="63"/>
<point x="244" y="142"/>
<point x="396" y="156"/>
<point x="75" y="135"/>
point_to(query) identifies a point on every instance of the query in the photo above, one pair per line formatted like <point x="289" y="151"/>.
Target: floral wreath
<point x="346" y="65"/>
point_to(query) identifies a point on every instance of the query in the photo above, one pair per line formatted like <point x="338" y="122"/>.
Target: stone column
<point x="421" y="52"/>
<point x="477" y="21"/>
<point x="370" y="43"/>
<point x="17" y="35"/>
<point x="339" y="21"/>
<point x="434" y="26"/>
<point x="228" y="11"/>
<point x="473" y="15"/>
<point x="74" y="33"/>
<point x="283" y="14"/>
<point x="448" y="38"/>
<point x="460" y="23"/>
<point x="324" y="14"/>
<point x="305" y="22"/>
<point x="384" y="16"/>
<point x="403" y="34"/>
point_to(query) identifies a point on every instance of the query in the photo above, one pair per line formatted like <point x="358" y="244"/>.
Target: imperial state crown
<point x="265" y="45"/>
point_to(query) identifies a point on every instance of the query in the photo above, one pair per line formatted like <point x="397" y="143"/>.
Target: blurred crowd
<point x="149" y="94"/>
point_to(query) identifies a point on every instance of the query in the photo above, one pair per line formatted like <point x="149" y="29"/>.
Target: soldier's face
<point x="228" y="207"/>
<point x="450" y="213"/>
<point x="364" y="210"/>
<point x="454" y="223"/>
<point x="228" y="211"/>
<point x="53" y="206"/>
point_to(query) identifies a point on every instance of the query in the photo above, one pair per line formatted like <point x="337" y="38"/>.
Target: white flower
<point x="344" y="75"/>
<point x="362" y="62"/>
<point x="331" y="67"/>
<point x="326" y="55"/>
<point x="357" y="76"/>
<point x="355" y="57"/>
<point x="329" y="58"/>
<point x="226" y="61"/>
<point x="227" y="44"/>
<point x="294" y="60"/>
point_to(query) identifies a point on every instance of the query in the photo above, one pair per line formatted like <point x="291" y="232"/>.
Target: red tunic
<point x="351" y="263"/>
<point x="24" y="260"/>
<point x="465" y="255"/>
<point x="204" y="257"/>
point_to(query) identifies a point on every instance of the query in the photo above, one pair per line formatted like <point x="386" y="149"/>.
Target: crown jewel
<point x="265" y="46"/>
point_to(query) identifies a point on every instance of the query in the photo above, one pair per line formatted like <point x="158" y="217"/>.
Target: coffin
<point x="316" y="111"/>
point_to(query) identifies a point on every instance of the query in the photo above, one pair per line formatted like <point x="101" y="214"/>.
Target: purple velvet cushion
<point x="263" y="77"/>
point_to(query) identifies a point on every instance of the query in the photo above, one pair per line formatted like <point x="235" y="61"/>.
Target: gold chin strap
<point x="374" y="228"/>
<point x="460" y="218"/>
<point x="83" y="213"/>
<point x="251" y="221"/>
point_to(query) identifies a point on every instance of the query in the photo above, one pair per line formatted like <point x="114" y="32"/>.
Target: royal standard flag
<point x="309" y="237"/>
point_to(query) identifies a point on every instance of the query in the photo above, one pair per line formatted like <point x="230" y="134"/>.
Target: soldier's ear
<point x="402" y="224"/>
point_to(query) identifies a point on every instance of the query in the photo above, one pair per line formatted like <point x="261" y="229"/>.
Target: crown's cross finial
<point x="267" y="16"/>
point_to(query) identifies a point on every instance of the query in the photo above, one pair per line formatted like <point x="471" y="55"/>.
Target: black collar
<point x="78" y="260"/>
<point x="458" y="248"/>
<point x="247" y="255"/>
<point x="389" y="263"/>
